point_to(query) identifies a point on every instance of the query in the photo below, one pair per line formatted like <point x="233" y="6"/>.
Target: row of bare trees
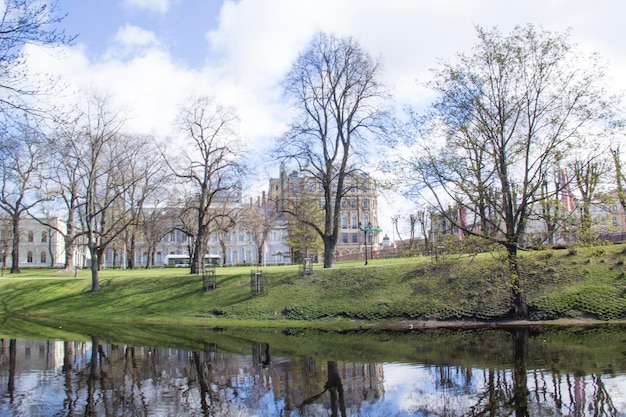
<point x="114" y="189"/>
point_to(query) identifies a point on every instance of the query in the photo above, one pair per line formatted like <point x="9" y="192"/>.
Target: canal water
<point x="159" y="371"/>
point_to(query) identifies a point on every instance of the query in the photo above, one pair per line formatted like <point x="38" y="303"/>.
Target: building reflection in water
<point x="94" y="379"/>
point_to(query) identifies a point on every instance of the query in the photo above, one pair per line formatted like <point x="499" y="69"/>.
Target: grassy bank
<point x="569" y="283"/>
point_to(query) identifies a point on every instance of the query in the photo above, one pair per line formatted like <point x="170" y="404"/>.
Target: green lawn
<point x="575" y="283"/>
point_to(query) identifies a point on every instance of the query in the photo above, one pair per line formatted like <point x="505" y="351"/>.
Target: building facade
<point x="40" y="245"/>
<point x="358" y="213"/>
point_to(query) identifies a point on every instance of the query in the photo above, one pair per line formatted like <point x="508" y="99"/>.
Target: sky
<point x="152" y="55"/>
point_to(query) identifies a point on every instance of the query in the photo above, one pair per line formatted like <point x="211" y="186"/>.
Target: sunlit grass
<point x="586" y="282"/>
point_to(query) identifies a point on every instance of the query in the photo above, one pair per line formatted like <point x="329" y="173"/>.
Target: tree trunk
<point x="259" y="254"/>
<point x="329" y="252"/>
<point x="68" y="243"/>
<point x="519" y="309"/>
<point x="130" y="253"/>
<point x="100" y="258"/>
<point x="223" y="245"/>
<point x="15" y="253"/>
<point x="95" y="280"/>
<point x="151" y="255"/>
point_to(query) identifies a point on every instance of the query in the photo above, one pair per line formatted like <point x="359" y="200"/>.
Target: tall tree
<point x="505" y="113"/>
<point x="21" y="167"/>
<point x="145" y="178"/>
<point x="210" y="164"/>
<point x="335" y="88"/>
<point x="114" y="175"/>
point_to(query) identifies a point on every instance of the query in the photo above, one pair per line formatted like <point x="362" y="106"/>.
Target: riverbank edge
<point x="349" y="325"/>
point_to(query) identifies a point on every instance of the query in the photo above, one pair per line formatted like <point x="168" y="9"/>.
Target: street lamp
<point x="365" y="230"/>
<point x="369" y="229"/>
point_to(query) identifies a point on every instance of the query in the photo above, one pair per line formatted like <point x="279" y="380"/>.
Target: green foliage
<point x="558" y="284"/>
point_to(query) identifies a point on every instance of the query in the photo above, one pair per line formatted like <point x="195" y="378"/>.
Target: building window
<point x="29" y="257"/>
<point x="344" y="237"/>
<point x="366" y="203"/>
<point x="31" y="238"/>
<point x="344" y="222"/>
<point x="43" y="257"/>
<point x="353" y="221"/>
<point x="343" y="203"/>
<point x="355" y="238"/>
<point x="353" y="203"/>
<point x="44" y="237"/>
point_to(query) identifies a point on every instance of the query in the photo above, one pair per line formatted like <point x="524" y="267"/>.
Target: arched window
<point x="29" y="257"/>
<point x="30" y="236"/>
<point x="43" y="257"/>
<point x="44" y="237"/>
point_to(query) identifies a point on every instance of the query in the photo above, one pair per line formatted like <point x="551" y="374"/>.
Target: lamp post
<point x="369" y="229"/>
<point x="365" y="229"/>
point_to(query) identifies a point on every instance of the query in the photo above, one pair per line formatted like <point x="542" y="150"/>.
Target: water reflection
<point x="526" y="378"/>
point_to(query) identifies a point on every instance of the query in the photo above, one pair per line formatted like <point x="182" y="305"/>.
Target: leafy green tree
<point x="504" y="114"/>
<point x="303" y="239"/>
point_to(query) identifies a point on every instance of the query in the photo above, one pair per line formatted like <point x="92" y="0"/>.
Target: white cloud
<point x="131" y="41"/>
<point x="160" y="6"/>
<point x="256" y="41"/>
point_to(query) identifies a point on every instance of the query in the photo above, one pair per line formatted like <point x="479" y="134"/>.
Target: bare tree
<point x="588" y="174"/>
<point x="505" y="114"/>
<point x="259" y="218"/>
<point x="155" y="223"/>
<point x="418" y="223"/>
<point x="21" y="166"/>
<point x="113" y="178"/>
<point x="25" y="22"/>
<point x="210" y="165"/>
<point x="145" y="178"/>
<point x="224" y="223"/>
<point x="334" y="85"/>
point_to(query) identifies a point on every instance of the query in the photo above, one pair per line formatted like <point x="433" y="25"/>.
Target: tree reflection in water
<point x="95" y="379"/>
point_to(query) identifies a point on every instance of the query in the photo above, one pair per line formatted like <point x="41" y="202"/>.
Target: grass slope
<point x="574" y="283"/>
